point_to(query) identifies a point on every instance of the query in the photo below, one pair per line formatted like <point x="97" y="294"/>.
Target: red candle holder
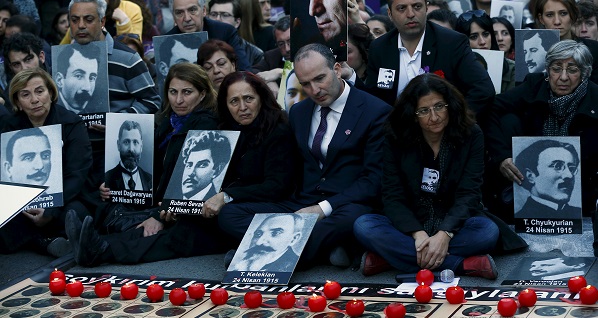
<point x="527" y="298"/>
<point x="253" y="299"/>
<point x="507" y="307"/>
<point x="154" y="292"/>
<point x="219" y="296"/>
<point x="576" y="283"/>
<point x="424" y="276"/>
<point x="455" y="295"/>
<point x="102" y="289"/>
<point x="129" y="291"/>
<point x="57" y="274"/>
<point x="316" y="303"/>
<point x="57" y="286"/>
<point x="196" y="291"/>
<point x="355" y="308"/>
<point x="395" y="310"/>
<point x="588" y="295"/>
<point x="177" y="296"/>
<point x="74" y="288"/>
<point x="332" y="290"/>
<point x="423" y="294"/>
<point x="286" y="300"/>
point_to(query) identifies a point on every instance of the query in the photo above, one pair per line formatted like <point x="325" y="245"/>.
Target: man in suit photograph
<point x="204" y="156"/>
<point x="128" y="175"/>
<point x="549" y="168"/>
<point x="28" y="157"/>
<point x="271" y="246"/>
<point x="339" y="129"/>
<point x="415" y="52"/>
<point x="76" y="74"/>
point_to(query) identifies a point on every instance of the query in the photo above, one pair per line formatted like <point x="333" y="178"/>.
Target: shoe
<point x="228" y="258"/>
<point x="59" y="247"/>
<point x="91" y="245"/>
<point x="480" y="266"/>
<point x="72" y="227"/>
<point x="373" y="264"/>
<point x="339" y="257"/>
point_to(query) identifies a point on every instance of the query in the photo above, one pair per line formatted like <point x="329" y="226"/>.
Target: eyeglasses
<point x="179" y="13"/>
<point x="425" y="112"/>
<point x="560" y="166"/>
<point x="224" y="15"/>
<point x="466" y="16"/>
<point x="558" y="70"/>
<point x="282" y="44"/>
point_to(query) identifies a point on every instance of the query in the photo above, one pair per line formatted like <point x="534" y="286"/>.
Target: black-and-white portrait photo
<point x="477" y="310"/>
<point x="494" y="62"/>
<point x="530" y="51"/>
<point x="551" y="187"/>
<point x="273" y="242"/>
<point x="81" y="74"/>
<point x="320" y="21"/>
<point x="225" y="312"/>
<point x="459" y="6"/>
<point x="550" y="311"/>
<point x="33" y="156"/>
<point x="386" y="78"/>
<point x="551" y="268"/>
<point x="129" y="151"/>
<point x="510" y="10"/>
<point x="201" y="165"/>
<point x="176" y="48"/>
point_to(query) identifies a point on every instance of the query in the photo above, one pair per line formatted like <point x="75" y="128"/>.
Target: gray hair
<point x="201" y="3"/>
<point x="102" y="5"/>
<point x="571" y="49"/>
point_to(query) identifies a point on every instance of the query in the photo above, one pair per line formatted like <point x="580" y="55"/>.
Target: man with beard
<point x="271" y="247"/>
<point x="77" y="71"/>
<point x="128" y="175"/>
<point x="549" y="168"/>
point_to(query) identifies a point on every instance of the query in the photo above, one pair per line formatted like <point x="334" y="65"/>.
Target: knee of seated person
<point x="363" y="224"/>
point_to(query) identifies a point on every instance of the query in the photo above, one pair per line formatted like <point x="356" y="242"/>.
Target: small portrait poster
<point x="81" y="75"/>
<point x="492" y="61"/>
<point x="173" y="49"/>
<point x="15" y="197"/>
<point x="34" y="157"/>
<point x="199" y="170"/>
<point x="270" y="249"/>
<point x="510" y="10"/>
<point x="459" y="6"/>
<point x="553" y="271"/>
<point x="324" y="23"/>
<point x="548" y="201"/>
<point x="530" y="51"/>
<point x="129" y="158"/>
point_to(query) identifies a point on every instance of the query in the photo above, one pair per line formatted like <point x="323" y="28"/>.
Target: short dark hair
<point x="31" y="132"/>
<point x="528" y="158"/>
<point x="444" y="15"/>
<point x="569" y="5"/>
<point x="168" y="44"/>
<point x="484" y="21"/>
<point x="237" y="13"/>
<point x="10" y="7"/>
<point x="544" y="38"/>
<point x="66" y="54"/>
<point x="359" y="34"/>
<point x="319" y="48"/>
<point x="129" y="125"/>
<point x="506" y="7"/>
<point x="217" y="143"/>
<point x="384" y="19"/>
<point x="401" y="121"/>
<point x="23" y="43"/>
<point x="208" y="48"/>
<point x="442" y="4"/>
<point x="283" y="23"/>
<point x="510" y="29"/>
<point x="587" y="9"/>
<point x="25" y="23"/>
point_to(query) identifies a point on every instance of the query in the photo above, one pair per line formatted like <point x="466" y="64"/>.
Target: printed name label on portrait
<point x="93" y="119"/>
<point x="46" y="201"/>
<point x="257" y="277"/>
<point x="143" y="198"/>
<point x="548" y="226"/>
<point x="184" y="206"/>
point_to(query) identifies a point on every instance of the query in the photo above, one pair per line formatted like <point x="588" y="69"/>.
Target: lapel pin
<point x="428" y="53"/>
<point x="347" y="132"/>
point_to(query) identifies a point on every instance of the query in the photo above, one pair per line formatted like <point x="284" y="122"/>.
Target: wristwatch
<point x="227" y="198"/>
<point x="450" y="235"/>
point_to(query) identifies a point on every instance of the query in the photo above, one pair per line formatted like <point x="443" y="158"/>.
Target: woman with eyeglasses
<point x="505" y="36"/>
<point x="559" y="102"/>
<point x="478" y="27"/>
<point x="218" y="58"/>
<point x="433" y="166"/>
<point x="561" y="15"/>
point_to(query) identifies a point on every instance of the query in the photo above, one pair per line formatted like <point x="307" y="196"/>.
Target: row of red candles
<point x="507" y="307"/>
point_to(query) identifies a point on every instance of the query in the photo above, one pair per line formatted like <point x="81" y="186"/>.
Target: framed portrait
<point x="530" y="51"/>
<point x="510" y="10"/>
<point x="492" y="61"/>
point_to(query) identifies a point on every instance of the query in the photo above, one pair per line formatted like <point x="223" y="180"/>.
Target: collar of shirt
<point x="545" y="202"/>
<point x="419" y="47"/>
<point x="339" y="104"/>
<point x="409" y="65"/>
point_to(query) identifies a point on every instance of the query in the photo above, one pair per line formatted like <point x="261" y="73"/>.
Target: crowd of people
<point x="404" y="149"/>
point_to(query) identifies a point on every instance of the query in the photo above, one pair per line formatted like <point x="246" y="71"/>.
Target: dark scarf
<point x="562" y="110"/>
<point x="177" y="123"/>
<point x="426" y="200"/>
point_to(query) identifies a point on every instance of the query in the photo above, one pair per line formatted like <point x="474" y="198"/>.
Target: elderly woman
<point x="562" y="15"/>
<point x="33" y="95"/>
<point x="478" y="27"/>
<point x="562" y="105"/>
<point x="433" y="167"/>
<point x="190" y="105"/>
<point x="218" y="58"/>
<point x="263" y="163"/>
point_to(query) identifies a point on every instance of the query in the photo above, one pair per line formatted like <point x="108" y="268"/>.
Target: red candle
<point x="154" y="292"/>
<point x="316" y="303"/>
<point x="576" y="283"/>
<point x="103" y="289"/>
<point x="219" y="296"/>
<point x="253" y="299"/>
<point x="196" y="291"/>
<point x="455" y="295"/>
<point x="355" y="308"/>
<point x="588" y="295"/>
<point x="57" y="286"/>
<point x="129" y="291"/>
<point x="527" y="298"/>
<point x="423" y="293"/>
<point x="285" y="300"/>
<point x="74" y="288"/>
<point x="507" y="307"/>
<point x="424" y="276"/>
<point x="395" y="310"/>
<point x="332" y="290"/>
<point x="177" y="296"/>
<point x="57" y="274"/>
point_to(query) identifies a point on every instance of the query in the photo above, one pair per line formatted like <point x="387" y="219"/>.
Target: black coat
<point x="76" y="151"/>
<point x="532" y="110"/>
